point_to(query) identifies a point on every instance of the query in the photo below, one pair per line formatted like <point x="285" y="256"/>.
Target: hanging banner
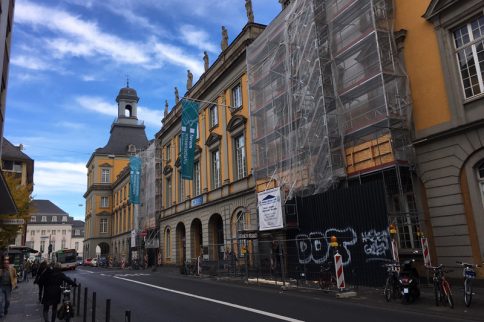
<point x="270" y="209"/>
<point x="135" y="175"/>
<point x="188" y="136"/>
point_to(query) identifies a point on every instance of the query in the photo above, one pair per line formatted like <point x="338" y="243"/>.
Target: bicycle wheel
<point x="437" y="294"/>
<point x="388" y="289"/>
<point x="448" y="293"/>
<point x="467" y="292"/>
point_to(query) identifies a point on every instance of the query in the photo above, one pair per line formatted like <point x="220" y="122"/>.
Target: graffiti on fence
<point x="315" y="247"/>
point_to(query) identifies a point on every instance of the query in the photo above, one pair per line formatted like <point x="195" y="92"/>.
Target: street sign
<point x="12" y="221"/>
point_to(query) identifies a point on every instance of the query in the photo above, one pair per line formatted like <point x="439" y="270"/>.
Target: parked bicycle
<point x="327" y="278"/>
<point x="66" y="310"/>
<point x="392" y="286"/>
<point x="469" y="274"/>
<point x="442" y="289"/>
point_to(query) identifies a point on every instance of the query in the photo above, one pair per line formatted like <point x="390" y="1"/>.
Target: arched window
<point x="128" y="110"/>
<point x="480" y="178"/>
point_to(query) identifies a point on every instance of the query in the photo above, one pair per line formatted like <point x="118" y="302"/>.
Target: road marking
<point x="240" y="307"/>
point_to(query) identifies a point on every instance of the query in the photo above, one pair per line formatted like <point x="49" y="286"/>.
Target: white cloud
<point x="85" y="37"/>
<point x="88" y="78"/>
<point x="30" y="62"/>
<point x="59" y="177"/>
<point x="177" y="56"/>
<point x="97" y="104"/>
<point x="150" y="117"/>
<point x="71" y="125"/>
<point x="194" y="36"/>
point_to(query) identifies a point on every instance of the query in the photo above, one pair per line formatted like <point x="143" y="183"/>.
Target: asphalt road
<point x="160" y="296"/>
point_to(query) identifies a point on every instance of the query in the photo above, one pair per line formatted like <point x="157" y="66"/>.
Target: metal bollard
<point x="127" y="316"/>
<point x="84" y="318"/>
<point x="74" y="294"/>
<point x="108" y="310"/>
<point x="93" y="307"/>
<point x="78" y="299"/>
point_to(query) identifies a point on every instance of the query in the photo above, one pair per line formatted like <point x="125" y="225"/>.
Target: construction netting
<point x="325" y="77"/>
<point x="147" y="212"/>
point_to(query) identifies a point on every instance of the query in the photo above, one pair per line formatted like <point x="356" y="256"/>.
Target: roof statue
<point x="177" y="97"/>
<point x="250" y="13"/>
<point x="225" y="38"/>
<point x="205" y="60"/>
<point x="166" y="108"/>
<point x="189" y="80"/>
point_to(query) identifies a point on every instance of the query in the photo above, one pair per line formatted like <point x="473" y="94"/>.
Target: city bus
<point x="67" y="258"/>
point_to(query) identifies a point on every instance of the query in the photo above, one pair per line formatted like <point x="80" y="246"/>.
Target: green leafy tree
<point x="22" y="196"/>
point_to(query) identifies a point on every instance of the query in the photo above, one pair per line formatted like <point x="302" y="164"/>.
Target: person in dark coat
<point x="52" y="280"/>
<point x="40" y="271"/>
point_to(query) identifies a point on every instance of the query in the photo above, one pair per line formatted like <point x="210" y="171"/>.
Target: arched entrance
<point x="216" y="237"/>
<point x="103" y="249"/>
<point x="196" y="238"/>
<point x="181" y="244"/>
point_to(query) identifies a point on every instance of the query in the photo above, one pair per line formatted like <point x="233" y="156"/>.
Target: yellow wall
<point x="423" y="64"/>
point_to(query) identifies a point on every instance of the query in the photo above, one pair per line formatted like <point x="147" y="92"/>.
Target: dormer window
<point x="64" y="218"/>
<point x="54" y="218"/>
<point x="33" y="219"/>
<point x="44" y="219"/>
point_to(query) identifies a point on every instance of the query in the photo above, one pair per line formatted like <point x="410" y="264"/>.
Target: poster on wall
<point x="270" y="209"/>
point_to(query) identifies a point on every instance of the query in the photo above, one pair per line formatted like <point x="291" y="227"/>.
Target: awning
<point x="7" y="206"/>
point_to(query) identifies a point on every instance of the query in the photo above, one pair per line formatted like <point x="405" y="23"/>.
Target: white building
<point x="50" y="225"/>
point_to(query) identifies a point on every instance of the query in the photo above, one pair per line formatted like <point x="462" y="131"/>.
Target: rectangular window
<point x="64" y="218"/>
<point x="32" y="233"/>
<point x="42" y="232"/>
<point x="52" y="242"/>
<point x="237" y="96"/>
<point x="54" y="218"/>
<point x="179" y="143"/>
<point x="42" y="246"/>
<point x="240" y="161"/>
<point x="168" y="152"/>
<point x="104" y="225"/>
<point x="76" y="246"/>
<point x="77" y="232"/>
<point x="196" y="179"/>
<point x="168" y="192"/>
<point x="33" y="219"/>
<point x="105" y="176"/>
<point x="213" y="116"/>
<point x="12" y="166"/>
<point x="63" y="244"/>
<point x="63" y="232"/>
<point x="181" y="188"/>
<point x="44" y="219"/>
<point x="469" y="44"/>
<point x="104" y="202"/>
<point x="215" y="169"/>
<point x="53" y="232"/>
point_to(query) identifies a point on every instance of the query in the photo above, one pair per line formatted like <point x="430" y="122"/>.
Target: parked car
<point x="94" y="262"/>
<point x="102" y="262"/>
<point x="88" y="262"/>
<point x="79" y="260"/>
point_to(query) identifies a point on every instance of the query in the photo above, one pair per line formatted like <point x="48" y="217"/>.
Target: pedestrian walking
<point x="8" y="282"/>
<point x="52" y="279"/>
<point x="40" y="271"/>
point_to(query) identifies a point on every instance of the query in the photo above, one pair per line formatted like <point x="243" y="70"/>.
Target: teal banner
<point x="135" y="176"/>
<point x="188" y="136"/>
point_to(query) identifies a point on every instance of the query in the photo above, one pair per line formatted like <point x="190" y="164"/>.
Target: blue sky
<point x="69" y="58"/>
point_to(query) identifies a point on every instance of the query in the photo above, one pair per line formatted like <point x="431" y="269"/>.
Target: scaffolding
<point x="328" y="96"/>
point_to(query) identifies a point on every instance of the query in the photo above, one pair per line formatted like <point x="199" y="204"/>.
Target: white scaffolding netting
<point x="324" y="76"/>
<point x="147" y="213"/>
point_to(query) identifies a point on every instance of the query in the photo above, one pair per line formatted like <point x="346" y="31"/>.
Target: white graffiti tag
<point x="315" y="246"/>
<point x="376" y="243"/>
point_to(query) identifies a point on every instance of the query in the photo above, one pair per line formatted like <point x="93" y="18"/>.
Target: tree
<point x="22" y="196"/>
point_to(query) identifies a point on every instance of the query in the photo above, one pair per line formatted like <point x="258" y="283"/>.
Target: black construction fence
<point x="357" y="216"/>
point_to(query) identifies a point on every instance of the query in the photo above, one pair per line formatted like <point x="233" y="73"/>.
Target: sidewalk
<point x="24" y="305"/>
